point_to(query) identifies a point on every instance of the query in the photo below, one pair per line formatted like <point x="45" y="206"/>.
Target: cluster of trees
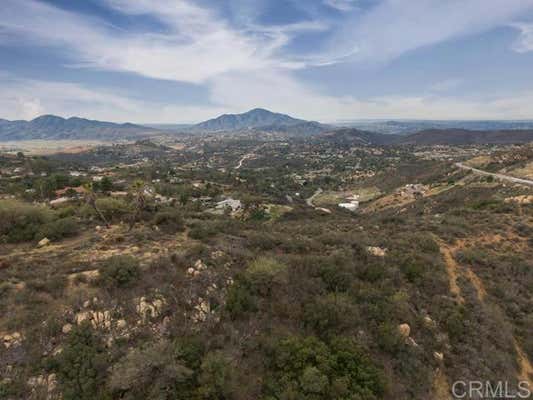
<point x="23" y="222"/>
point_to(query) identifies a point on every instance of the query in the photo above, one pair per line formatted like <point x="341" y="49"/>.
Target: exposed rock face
<point x="201" y="310"/>
<point x="98" y="319"/>
<point x="149" y="309"/>
<point x="199" y="266"/>
<point x="12" y="339"/>
<point x="524" y="199"/>
<point x="46" y="382"/>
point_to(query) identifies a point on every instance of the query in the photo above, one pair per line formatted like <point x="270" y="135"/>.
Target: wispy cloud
<point x="395" y="27"/>
<point x="342" y="5"/>
<point x="446" y="85"/>
<point x="29" y="98"/>
<point x="524" y="43"/>
<point x="196" y="45"/>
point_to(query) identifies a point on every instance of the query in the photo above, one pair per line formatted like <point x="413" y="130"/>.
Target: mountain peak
<point x="253" y="119"/>
<point x="259" y="111"/>
<point x="48" y="118"/>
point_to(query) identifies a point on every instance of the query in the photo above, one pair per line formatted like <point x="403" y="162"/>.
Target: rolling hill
<point x="431" y="137"/>
<point x="352" y="136"/>
<point x="51" y="127"/>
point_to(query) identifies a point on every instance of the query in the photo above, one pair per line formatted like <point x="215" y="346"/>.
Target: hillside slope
<point x="465" y="137"/>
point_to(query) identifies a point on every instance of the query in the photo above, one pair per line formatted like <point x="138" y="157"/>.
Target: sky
<point x="183" y="61"/>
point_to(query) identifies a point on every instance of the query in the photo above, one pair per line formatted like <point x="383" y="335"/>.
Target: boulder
<point x="376" y="251"/>
<point x="404" y="330"/>
<point x="66" y="328"/>
<point x="199" y="265"/>
<point x="428" y="322"/>
<point x="13" y="339"/>
<point x="121" y="324"/>
<point x="149" y="309"/>
<point x="98" y="319"/>
<point x="43" y="242"/>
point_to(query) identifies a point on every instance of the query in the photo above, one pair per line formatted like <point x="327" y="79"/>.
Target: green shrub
<point x="21" y="221"/>
<point x="308" y="368"/>
<point x="152" y="372"/>
<point x="240" y="299"/>
<point x="215" y="377"/>
<point x="113" y="209"/>
<point x="330" y="314"/>
<point x="119" y="271"/>
<point x="53" y="285"/>
<point x="58" y="229"/>
<point x="206" y="229"/>
<point x="82" y="365"/>
<point x="169" y="221"/>
<point x="388" y="338"/>
<point x="264" y="273"/>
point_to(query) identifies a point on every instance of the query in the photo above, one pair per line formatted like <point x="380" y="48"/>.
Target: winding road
<point x="244" y="158"/>
<point x="309" y="200"/>
<point x="497" y="176"/>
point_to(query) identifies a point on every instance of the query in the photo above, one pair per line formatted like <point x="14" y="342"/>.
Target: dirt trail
<point x="441" y="386"/>
<point x="526" y="369"/>
<point x="309" y="200"/>
<point x="477" y="283"/>
<point x="454" y="270"/>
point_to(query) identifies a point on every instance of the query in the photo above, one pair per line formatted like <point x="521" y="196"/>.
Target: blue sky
<point x="179" y="61"/>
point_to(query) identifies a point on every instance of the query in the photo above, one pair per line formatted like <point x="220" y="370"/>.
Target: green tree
<point x="90" y="199"/>
<point x="119" y="271"/>
<point x="215" y="377"/>
<point x="106" y="185"/>
<point x="137" y="189"/>
<point x="82" y="365"/>
<point x="152" y="372"/>
<point x="308" y="368"/>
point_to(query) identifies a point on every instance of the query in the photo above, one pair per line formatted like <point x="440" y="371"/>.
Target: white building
<point x="351" y="206"/>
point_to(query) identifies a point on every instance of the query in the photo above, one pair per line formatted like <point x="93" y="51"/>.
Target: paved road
<point x="497" y="176"/>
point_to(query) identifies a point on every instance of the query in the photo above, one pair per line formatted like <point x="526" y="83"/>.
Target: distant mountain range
<point x="430" y="137"/>
<point x="405" y="127"/>
<point x="51" y="127"/>
<point x="260" y="119"/>
<point x="257" y="121"/>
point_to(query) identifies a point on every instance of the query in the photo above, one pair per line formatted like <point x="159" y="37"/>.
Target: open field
<point x="46" y="147"/>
